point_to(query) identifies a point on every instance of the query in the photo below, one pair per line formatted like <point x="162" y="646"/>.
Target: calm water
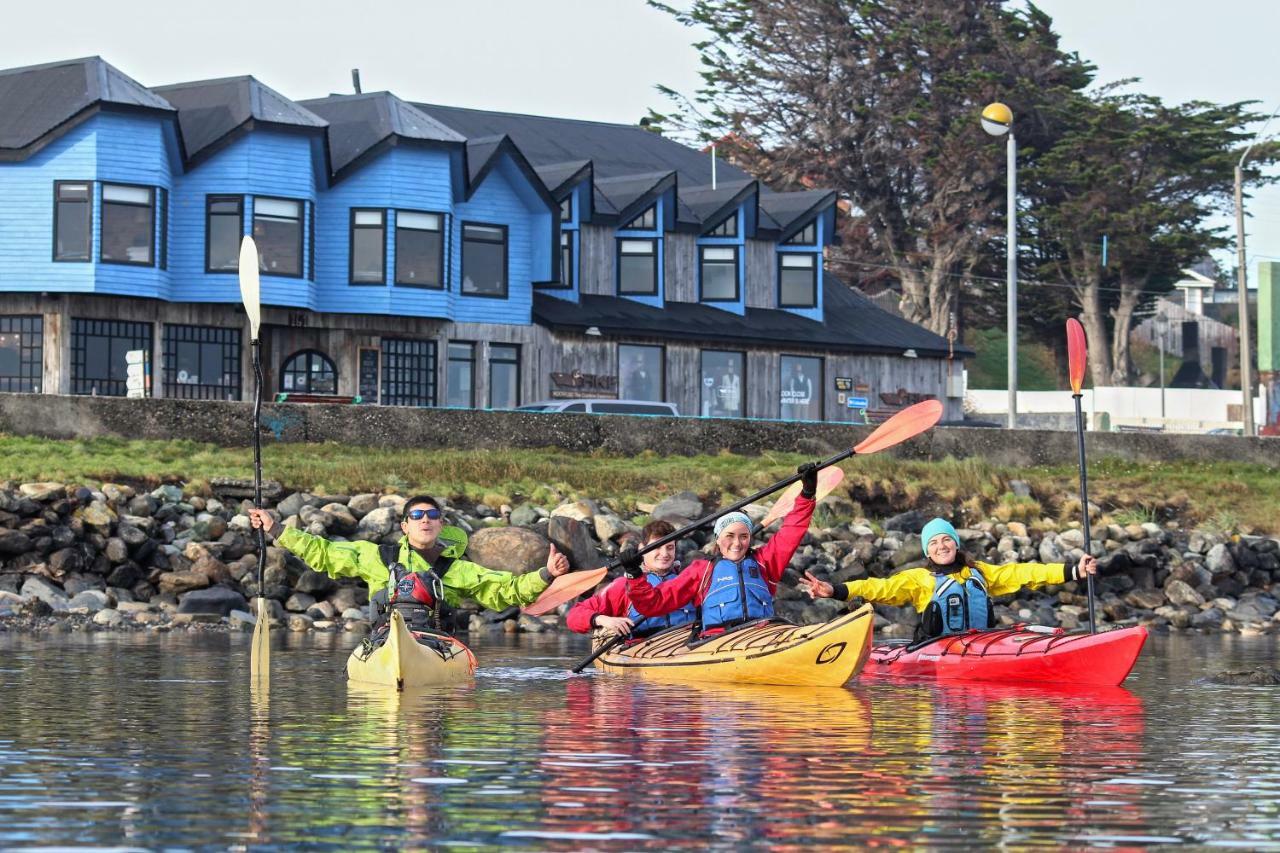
<point x="156" y="742"/>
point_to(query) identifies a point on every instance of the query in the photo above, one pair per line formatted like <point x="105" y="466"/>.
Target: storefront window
<point x="723" y="384"/>
<point x="801" y="383"/>
<point x="640" y="372"/>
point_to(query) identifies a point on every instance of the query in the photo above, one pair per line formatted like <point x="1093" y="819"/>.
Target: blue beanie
<point x="933" y="528"/>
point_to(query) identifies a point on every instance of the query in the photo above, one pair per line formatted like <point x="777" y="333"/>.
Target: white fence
<point x="1185" y="409"/>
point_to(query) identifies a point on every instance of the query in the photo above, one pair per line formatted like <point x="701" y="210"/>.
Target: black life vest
<point x="418" y="596"/>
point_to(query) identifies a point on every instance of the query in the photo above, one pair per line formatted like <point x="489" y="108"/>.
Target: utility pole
<point x="1242" y="285"/>
<point x="997" y="120"/>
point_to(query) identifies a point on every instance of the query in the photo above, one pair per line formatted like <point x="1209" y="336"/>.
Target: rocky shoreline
<point x="119" y="558"/>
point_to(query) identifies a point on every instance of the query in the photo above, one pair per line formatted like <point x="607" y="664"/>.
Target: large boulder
<point x="1180" y="592"/>
<point x="577" y="510"/>
<point x="215" y="599"/>
<point x="40" y="589"/>
<point x="14" y="542"/>
<point x="512" y="549"/>
<point x="679" y="509"/>
<point x="177" y="583"/>
<point x="911" y="521"/>
<point x="573" y="538"/>
<point x="42" y="491"/>
<point x="378" y="524"/>
<point x="1219" y="560"/>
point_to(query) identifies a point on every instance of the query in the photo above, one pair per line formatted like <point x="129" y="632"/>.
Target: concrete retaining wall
<point x="226" y="424"/>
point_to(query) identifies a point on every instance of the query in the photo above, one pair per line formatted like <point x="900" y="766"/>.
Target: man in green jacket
<point x="427" y="543"/>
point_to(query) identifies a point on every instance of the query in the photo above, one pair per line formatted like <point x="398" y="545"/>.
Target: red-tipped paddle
<point x="1077" y="355"/>
<point x="828" y="479"/>
<point x="565" y="588"/>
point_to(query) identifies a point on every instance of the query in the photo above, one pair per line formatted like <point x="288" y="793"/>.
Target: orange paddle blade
<point x="1077" y="354"/>
<point x="907" y="423"/>
<point x="565" y="588"/>
<point x="828" y="479"/>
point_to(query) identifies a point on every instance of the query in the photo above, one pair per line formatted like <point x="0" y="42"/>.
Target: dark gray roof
<point x="38" y="102"/>
<point x="852" y="323"/>
<point x="793" y="209"/>
<point x="209" y="111"/>
<point x="358" y="123"/>
<point x="709" y="206"/>
<point x="559" y="177"/>
<point x="619" y="195"/>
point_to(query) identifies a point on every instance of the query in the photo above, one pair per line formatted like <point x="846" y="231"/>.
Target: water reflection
<point x="164" y="742"/>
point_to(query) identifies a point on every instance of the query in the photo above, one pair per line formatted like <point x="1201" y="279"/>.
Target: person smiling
<point x="430" y="554"/>
<point x="737" y="584"/>
<point x="952" y="592"/>
<point x="611" y="611"/>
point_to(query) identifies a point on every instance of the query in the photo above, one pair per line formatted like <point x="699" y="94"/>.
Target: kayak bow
<point x="405" y="660"/>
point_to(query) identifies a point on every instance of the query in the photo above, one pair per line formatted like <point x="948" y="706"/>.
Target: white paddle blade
<point x="250" y="293"/>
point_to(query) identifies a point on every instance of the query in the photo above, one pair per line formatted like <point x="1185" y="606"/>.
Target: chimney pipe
<point x="355" y="79"/>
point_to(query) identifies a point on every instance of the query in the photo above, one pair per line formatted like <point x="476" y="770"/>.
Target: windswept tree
<point x="879" y="99"/>
<point x="1147" y="175"/>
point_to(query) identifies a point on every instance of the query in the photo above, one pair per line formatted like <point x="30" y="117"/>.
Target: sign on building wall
<point x="137" y="380"/>
<point x="368" y="378"/>
<point x="579" y="384"/>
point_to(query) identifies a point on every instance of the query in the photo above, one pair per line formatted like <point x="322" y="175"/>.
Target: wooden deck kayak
<point x="1014" y="654"/>
<point x="406" y="661"/>
<point x="764" y="652"/>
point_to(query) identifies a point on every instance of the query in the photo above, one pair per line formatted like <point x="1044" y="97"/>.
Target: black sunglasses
<point x="417" y="514"/>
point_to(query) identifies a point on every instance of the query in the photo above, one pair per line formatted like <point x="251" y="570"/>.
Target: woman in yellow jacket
<point x="953" y="592"/>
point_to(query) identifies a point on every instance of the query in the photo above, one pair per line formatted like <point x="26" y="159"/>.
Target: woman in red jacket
<point x="737" y="584"/>
<point x="611" y="612"/>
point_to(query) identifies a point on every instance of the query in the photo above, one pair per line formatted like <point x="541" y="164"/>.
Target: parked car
<point x="604" y="407"/>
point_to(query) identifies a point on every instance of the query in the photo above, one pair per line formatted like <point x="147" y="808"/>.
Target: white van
<point x="604" y="407"/>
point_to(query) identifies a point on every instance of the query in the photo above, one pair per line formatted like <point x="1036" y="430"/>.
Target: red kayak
<point x="1013" y="654"/>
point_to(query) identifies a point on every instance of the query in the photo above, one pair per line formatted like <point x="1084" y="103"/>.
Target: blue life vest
<point x="961" y="605"/>
<point x="736" y="593"/>
<point x="642" y="626"/>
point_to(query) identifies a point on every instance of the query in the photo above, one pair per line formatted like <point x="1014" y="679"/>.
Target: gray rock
<point x="911" y="521"/>
<point x="679" y="508"/>
<point x="512" y="549"/>
<point x="177" y="583"/>
<point x="341" y="520"/>
<point x="1020" y="488"/>
<point x="314" y="584"/>
<point x="378" y="523"/>
<point x="1208" y="619"/>
<point x="108" y="618"/>
<point x="322" y="610"/>
<point x="609" y="527"/>
<point x="300" y="623"/>
<point x="1069" y="539"/>
<point x="1049" y="550"/>
<point x="216" y="599"/>
<point x="241" y="620"/>
<point x="90" y="599"/>
<point x="353" y="613"/>
<point x="1219" y="560"/>
<point x="168" y="494"/>
<point x="362" y="505"/>
<point x="577" y="510"/>
<point x="1179" y="593"/>
<point x="14" y="542"/>
<point x="299" y="602"/>
<point x="42" y="492"/>
<point x="293" y="504"/>
<point x="116" y="551"/>
<point x="40" y="589"/>
<point x="573" y="538"/>
<point x="525" y="515"/>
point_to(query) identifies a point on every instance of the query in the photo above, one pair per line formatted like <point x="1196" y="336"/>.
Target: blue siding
<point x="108" y="147"/>
<point x="581" y="194"/>
<point x="738" y="306"/>
<point x="664" y="210"/>
<point x="263" y="162"/>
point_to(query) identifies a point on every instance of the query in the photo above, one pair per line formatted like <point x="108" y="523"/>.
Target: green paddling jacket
<point x="463" y="579"/>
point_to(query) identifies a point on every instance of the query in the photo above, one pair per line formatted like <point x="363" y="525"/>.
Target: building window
<point x="566" y="208"/>
<point x="727" y="228"/>
<point x="640" y="372"/>
<point x="504" y="376"/>
<point x="408" y="372"/>
<point x="309" y="372"/>
<point x="806" y="236"/>
<point x="201" y="362"/>
<point x="646" y="221"/>
<point x="128" y="224"/>
<point x="460" y="375"/>
<point x="718" y="271"/>
<point x="368" y="246"/>
<point x="801" y="383"/>
<point x="638" y="267"/>
<point x="419" y="254"/>
<point x="224" y="226"/>
<point x="797" y="280"/>
<point x="484" y="260"/>
<point x="568" y="268"/>
<point x="722" y="384"/>
<point x="277" y="229"/>
<point x="98" y="350"/>
<point x="72" y="220"/>
<point x="21" y="353"/>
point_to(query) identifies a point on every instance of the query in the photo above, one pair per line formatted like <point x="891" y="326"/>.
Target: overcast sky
<point x="591" y="59"/>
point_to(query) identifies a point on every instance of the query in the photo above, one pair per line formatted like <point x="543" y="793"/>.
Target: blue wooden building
<point x="418" y="255"/>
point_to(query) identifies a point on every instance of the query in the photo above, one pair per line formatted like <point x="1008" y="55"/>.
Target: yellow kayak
<point x="764" y="652"/>
<point x="404" y="662"/>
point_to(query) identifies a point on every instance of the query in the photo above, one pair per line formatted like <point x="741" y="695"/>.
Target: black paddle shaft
<point x="1084" y="505"/>
<point x="256" y="347"/>
<point x="604" y="647"/>
<point x="702" y="522"/>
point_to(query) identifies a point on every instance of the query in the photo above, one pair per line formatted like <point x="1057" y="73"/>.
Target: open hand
<point x="262" y="518"/>
<point x="557" y="563"/>
<point x="614" y="625"/>
<point x="816" y="587"/>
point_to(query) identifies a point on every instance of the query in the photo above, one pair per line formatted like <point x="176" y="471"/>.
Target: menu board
<point x="368" y="375"/>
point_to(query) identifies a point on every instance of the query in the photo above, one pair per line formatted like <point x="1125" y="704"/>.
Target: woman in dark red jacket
<point x="737" y="584"/>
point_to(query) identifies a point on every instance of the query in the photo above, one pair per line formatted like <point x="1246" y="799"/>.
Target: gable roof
<point x="359" y="123"/>
<point x="852" y="323"/>
<point x="792" y="210"/>
<point x="559" y="177"/>
<point x="484" y="154"/>
<point x="210" y="111"/>
<point x="710" y="206"/>
<point x="39" y="103"/>
<point x="625" y="196"/>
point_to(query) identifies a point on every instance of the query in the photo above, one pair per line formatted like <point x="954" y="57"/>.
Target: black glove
<point x="809" y="479"/>
<point x="630" y="561"/>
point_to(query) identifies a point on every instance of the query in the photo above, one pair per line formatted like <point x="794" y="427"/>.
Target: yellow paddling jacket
<point x="462" y="578"/>
<point x="915" y="586"/>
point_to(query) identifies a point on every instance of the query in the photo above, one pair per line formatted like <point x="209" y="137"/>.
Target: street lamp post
<point x="1162" y="328"/>
<point x="997" y="120"/>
